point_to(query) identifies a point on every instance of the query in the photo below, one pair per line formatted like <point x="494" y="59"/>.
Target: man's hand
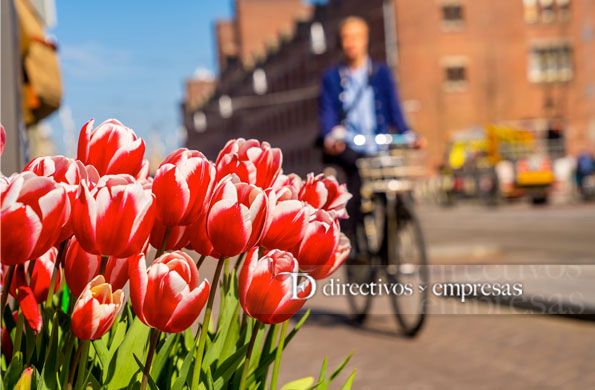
<point x="334" y="143"/>
<point x="332" y="146"/>
<point x="420" y="142"/>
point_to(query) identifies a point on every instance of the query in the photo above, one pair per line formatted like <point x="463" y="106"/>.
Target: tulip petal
<point x="30" y="308"/>
<point x="20" y="230"/>
<point x="137" y="272"/>
<point x="188" y="309"/>
<point x="229" y="227"/>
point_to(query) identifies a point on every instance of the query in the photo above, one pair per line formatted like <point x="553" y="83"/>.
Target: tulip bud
<point x="29" y="308"/>
<point x="40" y="279"/>
<point x="34" y="212"/>
<point x="115" y="218"/>
<point x="96" y="309"/>
<point x="237" y="216"/>
<point x="252" y="161"/>
<point x="112" y="148"/>
<point x="266" y="286"/>
<point x="80" y="267"/>
<point x="167" y="296"/>
<point x="324" y="192"/>
<point x="182" y="186"/>
<point x="5" y="343"/>
<point x="319" y="243"/>
<point x="26" y="380"/>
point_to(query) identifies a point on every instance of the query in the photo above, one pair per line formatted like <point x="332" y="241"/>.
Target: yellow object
<point x="535" y="178"/>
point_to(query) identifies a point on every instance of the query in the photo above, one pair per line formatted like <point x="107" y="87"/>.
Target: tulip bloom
<point x="112" y="148"/>
<point x="40" y="279"/>
<point x="266" y="286"/>
<point x="34" y="212"/>
<point x="199" y="240"/>
<point x="96" y="309"/>
<point x="80" y="267"/>
<point x="115" y="218"/>
<point x="182" y="186"/>
<point x="324" y="192"/>
<point x="167" y="296"/>
<point x="287" y="187"/>
<point x="287" y="223"/>
<point x="66" y="172"/>
<point x="252" y="161"/>
<point x="319" y="243"/>
<point x="237" y="216"/>
<point x="326" y="269"/>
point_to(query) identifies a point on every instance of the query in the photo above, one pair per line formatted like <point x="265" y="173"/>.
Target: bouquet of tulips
<point x="97" y="290"/>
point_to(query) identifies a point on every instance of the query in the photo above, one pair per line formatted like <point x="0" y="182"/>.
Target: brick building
<point x="460" y="64"/>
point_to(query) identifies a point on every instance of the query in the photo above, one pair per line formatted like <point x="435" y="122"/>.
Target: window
<point x="546" y="11"/>
<point x="549" y="63"/>
<point x="455" y="73"/>
<point x="452" y="15"/>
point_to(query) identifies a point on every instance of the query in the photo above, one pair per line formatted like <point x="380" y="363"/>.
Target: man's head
<point x="354" y="38"/>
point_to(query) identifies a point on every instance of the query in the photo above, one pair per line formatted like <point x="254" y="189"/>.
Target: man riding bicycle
<point x="358" y="100"/>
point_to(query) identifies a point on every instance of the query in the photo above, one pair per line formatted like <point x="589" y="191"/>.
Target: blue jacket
<point x="389" y="116"/>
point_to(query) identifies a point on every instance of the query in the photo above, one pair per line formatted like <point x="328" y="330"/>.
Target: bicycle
<point x="390" y="239"/>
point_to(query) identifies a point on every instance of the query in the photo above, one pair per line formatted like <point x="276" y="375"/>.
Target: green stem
<point x="160" y="251"/>
<point x="61" y="251"/>
<point x="103" y="265"/>
<point x="246" y="369"/>
<point x="19" y="332"/>
<point x="204" y="329"/>
<point x="239" y="261"/>
<point x="278" y="355"/>
<point x="201" y="260"/>
<point x="80" y="351"/>
<point x="6" y="287"/>
<point x="275" y="331"/>
<point x="154" y="339"/>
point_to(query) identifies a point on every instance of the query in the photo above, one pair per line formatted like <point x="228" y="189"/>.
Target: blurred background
<point x="503" y="91"/>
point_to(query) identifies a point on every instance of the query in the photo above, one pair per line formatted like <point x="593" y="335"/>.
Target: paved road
<point x="477" y="351"/>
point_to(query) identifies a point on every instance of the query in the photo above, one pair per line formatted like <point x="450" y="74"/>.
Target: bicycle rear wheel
<point x="407" y="261"/>
<point x="360" y="269"/>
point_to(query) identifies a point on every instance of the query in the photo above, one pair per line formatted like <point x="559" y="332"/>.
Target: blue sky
<point x="128" y="60"/>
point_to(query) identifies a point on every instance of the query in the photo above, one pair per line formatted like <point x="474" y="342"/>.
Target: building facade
<point x="460" y="64"/>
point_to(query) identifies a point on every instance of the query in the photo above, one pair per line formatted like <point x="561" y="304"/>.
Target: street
<point x="467" y="351"/>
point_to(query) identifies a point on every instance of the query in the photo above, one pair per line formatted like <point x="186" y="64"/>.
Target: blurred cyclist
<point x="358" y="100"/>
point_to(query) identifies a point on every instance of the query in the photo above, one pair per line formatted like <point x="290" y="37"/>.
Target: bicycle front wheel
<point x="407" y="267"/>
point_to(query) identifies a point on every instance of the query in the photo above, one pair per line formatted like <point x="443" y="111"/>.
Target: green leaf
<point x="231" y="365"/>
<point x="184" y="371"/>
<point x="14" y="370"/>
<point x="141" y="366"/>
<point x="299" y="384"/>
<point x="163" y="355"/>
<point x="322" y="375"/>
<point x="349" y="381"/>
<point x="134" y="343"/>
<point x="49" y="374"/>
<point x="341" y="366"/>
<point x="268" y="358"/>
<point x="102" y="352"/>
